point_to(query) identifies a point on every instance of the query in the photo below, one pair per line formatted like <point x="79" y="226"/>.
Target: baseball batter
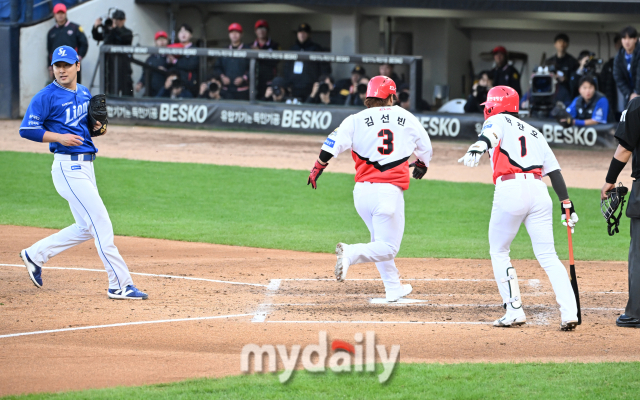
<point x="520" y="157"/>
<point x="58" y="114"/>
<point x="381" y="139"/>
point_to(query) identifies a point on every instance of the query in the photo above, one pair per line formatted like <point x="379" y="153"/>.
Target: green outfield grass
<point x="409" y="381"/>
<point x="275" y="209"/>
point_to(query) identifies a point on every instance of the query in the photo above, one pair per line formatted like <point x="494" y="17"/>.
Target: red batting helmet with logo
<point x="381" y="87"/>
<point x="501" y="99"/>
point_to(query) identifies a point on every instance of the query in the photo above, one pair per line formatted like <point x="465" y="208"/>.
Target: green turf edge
<point x="409" y="381"/>
<point x="268" y="208"/>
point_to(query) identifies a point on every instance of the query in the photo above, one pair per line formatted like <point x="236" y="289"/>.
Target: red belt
<point x="513" y="176"/>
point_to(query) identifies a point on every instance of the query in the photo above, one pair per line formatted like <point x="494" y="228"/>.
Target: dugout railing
<point x="255" y="56"/>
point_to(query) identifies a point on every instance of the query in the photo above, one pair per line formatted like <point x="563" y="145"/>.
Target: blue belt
<point x="83" y="157"/>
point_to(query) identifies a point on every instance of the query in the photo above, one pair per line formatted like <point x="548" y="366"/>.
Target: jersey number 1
<point x="523" y="146"/>
<point x="387" y="142"/>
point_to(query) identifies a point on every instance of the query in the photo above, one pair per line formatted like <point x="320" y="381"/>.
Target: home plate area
<point x="433" y="301"/>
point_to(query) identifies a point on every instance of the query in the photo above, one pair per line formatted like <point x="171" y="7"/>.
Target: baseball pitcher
<point x="381" y="139"/>
<point x="65" y="115"/>
<point x="520" y="157"/>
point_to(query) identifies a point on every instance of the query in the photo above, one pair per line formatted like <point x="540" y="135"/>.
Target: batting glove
<point x="473" y="155"/>
<point x="315" y="174"/>
<point x="419" y="169"/>
<point x="567" y="204"/>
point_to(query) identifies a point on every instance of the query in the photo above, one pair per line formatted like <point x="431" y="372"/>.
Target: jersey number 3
<point x="523" y="146"/>
<point x="387" y="142"/>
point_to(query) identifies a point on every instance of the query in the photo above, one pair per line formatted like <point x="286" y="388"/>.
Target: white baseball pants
<point x="75" y="181"/>
<point x="527" y="200"/>
<point x="381" y="207"/>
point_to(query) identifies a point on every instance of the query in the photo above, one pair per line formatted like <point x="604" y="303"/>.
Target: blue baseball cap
<point x="66" y="54"/>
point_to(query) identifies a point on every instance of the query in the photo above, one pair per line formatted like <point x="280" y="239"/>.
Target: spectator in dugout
<point x="323" y="92"/>
<point x="504" y="74"/>
<point x="157" y="61"/>
<point x="387" y="70"/>
<point x="404" y="98"/>
<point x="234" y="72"/>
<point x="586" y="67"/>
<point x="301" y="75"/>
<point x="211" y="89"/>
<point x="65" y="33"/>
<point x="187" y="66"/>
<point x="267" y="69"/>
<point x="625" y="65"/>
<point x="479" y="93"/>
<point x="608" y="84"/>
<point x="591" y="107"/>
<point x="345" y="87"/>
<point x="174" y="87"/>
<point x="564" y="65"/>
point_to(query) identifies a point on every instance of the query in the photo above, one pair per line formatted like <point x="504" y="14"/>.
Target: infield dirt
<point x="451" y="324"/>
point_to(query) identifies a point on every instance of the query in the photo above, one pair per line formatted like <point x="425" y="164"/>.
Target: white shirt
<point x="521" y="147"/>
<point x="381" y="140"/>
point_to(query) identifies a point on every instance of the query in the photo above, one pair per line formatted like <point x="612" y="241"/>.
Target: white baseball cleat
<point x="510" y="319"/>
<point x="406" y="290"/>
<point x="342" y="265"/>
<point x="568" y="325"/>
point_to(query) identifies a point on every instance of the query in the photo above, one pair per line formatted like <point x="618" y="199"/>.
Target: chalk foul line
<point x="122" y="324"/>
<point x="265" y="307"/>
<point x="190" y="278"/>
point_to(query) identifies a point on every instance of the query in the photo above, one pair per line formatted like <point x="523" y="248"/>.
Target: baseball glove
<point x="608" y="206"/>
<point x="97" y="113"/>
<point x="561" y="115"/>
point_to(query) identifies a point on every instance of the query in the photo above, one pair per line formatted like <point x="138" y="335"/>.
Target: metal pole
<point x="101" y="65"/>
<point x="115" y="73"/>
<point x="252" y="81"/>
<point x="15" y="10"/>
<point x="413" y="88"/>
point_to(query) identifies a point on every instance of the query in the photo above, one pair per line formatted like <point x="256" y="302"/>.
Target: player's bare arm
<point x="65" y="139"/>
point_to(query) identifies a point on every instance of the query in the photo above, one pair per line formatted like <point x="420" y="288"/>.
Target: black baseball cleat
<point x="625" y="321"/>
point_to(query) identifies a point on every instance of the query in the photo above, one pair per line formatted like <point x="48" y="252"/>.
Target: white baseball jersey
<point x="521" y="147"/>
<point x="381" y="140"/>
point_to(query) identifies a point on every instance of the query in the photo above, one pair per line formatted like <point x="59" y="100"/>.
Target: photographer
<point x="276" y="92"/>
<point x="587" y="66"/>
<point x="590" y="108"/>
<point x="564" y="64"/>
<point x="625" y="65"/>
<point x="357" y="99"/>
<point x="174" y="87"/>
<point x="479" y="93"/>
<point x="323" y="92"/>
<point x="211" y="89"/>
<point x="113" y="31"/>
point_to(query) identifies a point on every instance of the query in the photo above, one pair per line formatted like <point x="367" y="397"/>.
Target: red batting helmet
<point x="500" y="99"/>
<point x="381" y="87"/>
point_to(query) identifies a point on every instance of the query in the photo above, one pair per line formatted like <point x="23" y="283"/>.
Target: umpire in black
<point x="628" y="135"/>
<point x="113" y="31"/>
<point x="65" y="33"/>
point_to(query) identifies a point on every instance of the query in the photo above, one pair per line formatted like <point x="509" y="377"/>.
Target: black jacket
<point x="621" y="75"/>
<point x="507" y="76"/>
<point x="69" y="34"/>
<point x="156" y="79"/>
<point x="302" y="83"/>
<point x="233" y="68"/>
<point x="123" y="36"/>
<point x="567" y="64"/>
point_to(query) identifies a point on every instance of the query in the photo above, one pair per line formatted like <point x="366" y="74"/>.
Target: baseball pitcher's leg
<point x="539" y="225"/>
<point x="78" y="187"/>
<point x="510" y="207"/>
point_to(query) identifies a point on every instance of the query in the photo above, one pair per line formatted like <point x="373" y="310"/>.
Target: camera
<point x="362" y="88"/>
<point x="213" y="87"/>
<point x="543" y="91"/>
<point x="323" y="89"/>
<point x="277" y="90"/>
<point x="107" y="24"/>
<point x="593" y="64"/>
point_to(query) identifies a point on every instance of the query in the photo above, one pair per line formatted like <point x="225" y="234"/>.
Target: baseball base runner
<point x="520" y="157"/>
<point x="381" y="139"/>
